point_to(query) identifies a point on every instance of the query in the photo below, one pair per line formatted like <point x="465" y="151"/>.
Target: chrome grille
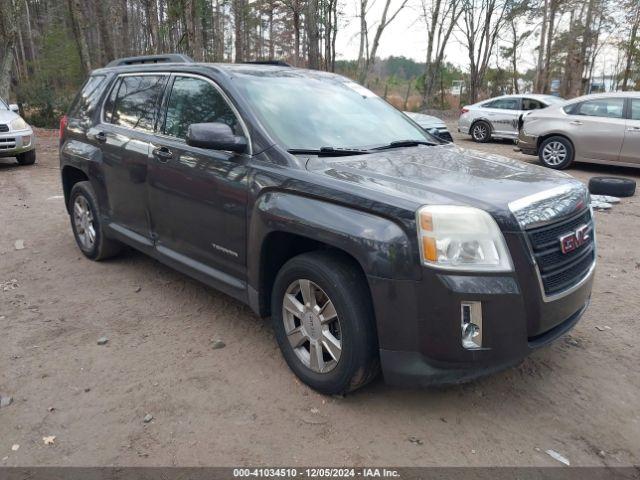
<point x="559" y="271"/>
<point x="7" y="143"/>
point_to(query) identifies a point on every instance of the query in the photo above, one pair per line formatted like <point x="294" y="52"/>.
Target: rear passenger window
<point x="134" y="101"/>
<point x="85" y="103"/>
<point x="531" y="104"/>
<point x="195" y="100"/>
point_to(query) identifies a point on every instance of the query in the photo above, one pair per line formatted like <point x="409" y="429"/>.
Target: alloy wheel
<point x="83" y="221"/>
<point x="312" y="326"/>
<point x="480" y="132"/>
<point x="554" y="153"/>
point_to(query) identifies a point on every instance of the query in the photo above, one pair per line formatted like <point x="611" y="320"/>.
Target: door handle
<point x="576" y="122"/>
<point x="101" y="137"/>
<point x="633" y="129"/>
<point x="162" y="154"/>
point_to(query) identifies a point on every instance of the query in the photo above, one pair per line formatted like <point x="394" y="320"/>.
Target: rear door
<point x="503" y="113"/>
<point x="198" y="197"/>
<point x="631" y="147"/>
<point x="126" y="132"/>
<point x="597" y="128"/>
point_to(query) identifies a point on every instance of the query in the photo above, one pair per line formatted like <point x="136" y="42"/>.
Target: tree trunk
<point x="539" y="83"/>
<point x="631" y="50"/>
<point x="79" y="24"/>
<point x="313" y="35"/>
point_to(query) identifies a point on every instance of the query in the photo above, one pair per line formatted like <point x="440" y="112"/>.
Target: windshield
<point x="310" y="112"/>
<point x="3" y="105"/>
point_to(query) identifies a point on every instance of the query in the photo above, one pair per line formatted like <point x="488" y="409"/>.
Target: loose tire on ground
<point x="614" y="186"/>
<point x="481" y="132"/>
<point x="27" y="158"/>
<point x="345" y="287"/>
<point x="85" y="218"/>
<point x="556" y="152"/>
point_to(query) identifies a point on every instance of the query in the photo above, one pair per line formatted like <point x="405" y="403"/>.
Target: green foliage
<point x="49" y="90"/>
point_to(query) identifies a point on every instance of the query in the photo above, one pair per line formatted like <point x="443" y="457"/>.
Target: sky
<point x="406" y="36"/>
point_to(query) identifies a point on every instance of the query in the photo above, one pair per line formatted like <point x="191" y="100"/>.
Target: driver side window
<point x="195" y="100"/>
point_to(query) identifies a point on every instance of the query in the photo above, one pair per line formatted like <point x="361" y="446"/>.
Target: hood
<point x="7" y="116"/>
<point x="517" y="194"/>
<point x="425" y="121"/>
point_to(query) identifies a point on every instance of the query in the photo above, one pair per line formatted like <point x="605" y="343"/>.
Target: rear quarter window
<point x="87" y="100"/>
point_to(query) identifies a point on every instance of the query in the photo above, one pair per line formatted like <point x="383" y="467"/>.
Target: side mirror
<point x="215" y="136"/>
<point x="14" y="108"/>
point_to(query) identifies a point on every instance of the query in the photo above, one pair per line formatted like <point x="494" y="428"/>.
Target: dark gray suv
<point x="369" y="243"/>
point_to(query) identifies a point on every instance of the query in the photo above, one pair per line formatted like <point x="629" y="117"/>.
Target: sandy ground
<point x="240" y="405"/>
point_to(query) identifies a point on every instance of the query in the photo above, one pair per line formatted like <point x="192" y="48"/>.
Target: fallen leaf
<point x="15" y="447"/>
<point x="49" y="440"/>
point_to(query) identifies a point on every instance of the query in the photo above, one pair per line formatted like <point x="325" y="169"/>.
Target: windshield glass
<point x="309" y="112"/>
<point x="3" y="105"/>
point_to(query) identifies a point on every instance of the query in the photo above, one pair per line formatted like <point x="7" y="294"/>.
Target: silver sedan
<point x="498" y="117"/>
<point x="601" y="128"/>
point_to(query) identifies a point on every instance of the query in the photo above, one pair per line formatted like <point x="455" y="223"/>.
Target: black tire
<point x="102" y="247"/>
<point x="480" y="131"/>
<point x="614" y="186"/>
<point x="27" y="158"/>
<point x="345" y="286"/>
<point x="556" y="152"/>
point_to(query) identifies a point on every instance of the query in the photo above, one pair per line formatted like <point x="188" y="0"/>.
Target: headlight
<point x="461" y="238"/>
<point x="19" y="124"/>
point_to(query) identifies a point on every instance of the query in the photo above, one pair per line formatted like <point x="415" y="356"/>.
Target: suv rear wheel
<point x="86" y="225"/>
<point x="324" y="323"/>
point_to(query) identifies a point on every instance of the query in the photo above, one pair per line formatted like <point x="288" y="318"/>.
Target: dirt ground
<point x="240" y="405"/>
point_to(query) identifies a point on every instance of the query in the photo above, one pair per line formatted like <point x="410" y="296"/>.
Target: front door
<point x="504" y="114"/>
<point x="198" y="197"/>
<point x="631" y="148"/>
<point x="125" y="134"/>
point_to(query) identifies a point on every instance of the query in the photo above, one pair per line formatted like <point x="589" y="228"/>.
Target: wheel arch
<point x="284" y="225"/>
<point x="70" y="176"/>
<point x="546" y="136"/>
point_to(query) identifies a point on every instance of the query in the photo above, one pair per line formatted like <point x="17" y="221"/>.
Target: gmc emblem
<point x="573" y="240"/>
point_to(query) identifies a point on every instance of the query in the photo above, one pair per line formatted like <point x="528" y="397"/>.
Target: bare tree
<point x="481" y="23"/>
<point x="440" y="20"/>
<point x="631" y="45"/>
<point x="367" y="54"/>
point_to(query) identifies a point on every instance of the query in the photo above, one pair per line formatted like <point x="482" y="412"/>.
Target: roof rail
<point x="142" y="59"/>
<point x="279" y="63"/>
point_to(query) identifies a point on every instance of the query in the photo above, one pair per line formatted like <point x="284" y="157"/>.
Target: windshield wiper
<point x="405" y="143"/>
<point x="329" y="151"/>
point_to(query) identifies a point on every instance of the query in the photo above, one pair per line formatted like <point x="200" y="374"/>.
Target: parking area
<point x="240" y="404"/>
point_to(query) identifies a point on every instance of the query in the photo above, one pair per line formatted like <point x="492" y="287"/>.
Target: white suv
<point x="16" y="136"/>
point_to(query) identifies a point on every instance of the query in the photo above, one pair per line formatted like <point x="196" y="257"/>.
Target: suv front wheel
<point x="324" y="323"/>
<point x="86" y="224"/>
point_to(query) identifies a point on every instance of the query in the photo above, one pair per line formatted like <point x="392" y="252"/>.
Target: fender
<point x="87" y="158"/>
<point x="379" y="245"/>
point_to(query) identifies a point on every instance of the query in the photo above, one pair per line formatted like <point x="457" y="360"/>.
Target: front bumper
<point x="14" y="143"/>
<point x="419" y="322"/>
<point x="528" y="144"/>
